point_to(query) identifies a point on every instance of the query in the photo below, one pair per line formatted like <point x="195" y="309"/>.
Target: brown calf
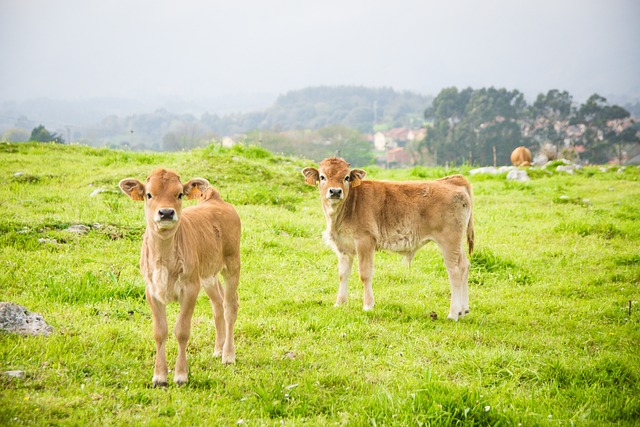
<point x="521" y="156"/>
<point x="182" y="251"/>
<point x="365" y="216"/>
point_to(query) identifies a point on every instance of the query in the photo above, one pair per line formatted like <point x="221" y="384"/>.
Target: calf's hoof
<point x="229" y="355"/>
<point x="159" y="382"/>
<point x="228" y="359"/>
<point x="453" y="316"/>
<point x="181" y="379"/>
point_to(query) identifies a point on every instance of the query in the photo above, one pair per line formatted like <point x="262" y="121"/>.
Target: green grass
<point x="549" y="340"/>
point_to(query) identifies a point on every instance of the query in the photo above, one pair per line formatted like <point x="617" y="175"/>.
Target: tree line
<point x="478" y="126"/>
<point x="309" y="110"/>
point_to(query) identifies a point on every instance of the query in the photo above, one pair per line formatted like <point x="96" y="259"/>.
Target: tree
<point x="447" y="111"/>
<point x="317" y="144"/>
<point x="467" y="125"/>
<point x="492" y="121"/>
<point x="501" y="135"/>
<point x="349" y="143"/>
<point x="16" y="135"/>
<point x="41" y="134"/>
<point x="554" y="104"/>
<point x="600" y="122"/>
<point x="549" y="118"/>
<point x="185" y="136"/>
<point x="419" y="150"/>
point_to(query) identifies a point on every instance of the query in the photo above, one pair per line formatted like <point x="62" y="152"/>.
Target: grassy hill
<point x="550" y="339"/>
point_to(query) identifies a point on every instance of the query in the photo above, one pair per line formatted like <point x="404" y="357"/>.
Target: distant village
<point x="390" y="147"/>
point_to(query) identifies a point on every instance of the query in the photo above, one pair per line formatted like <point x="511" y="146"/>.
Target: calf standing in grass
<point x="182" y="251"/>
<point x="364" y="216"/>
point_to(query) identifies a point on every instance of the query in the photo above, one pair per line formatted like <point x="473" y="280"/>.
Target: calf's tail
<point x="470" y="234"/>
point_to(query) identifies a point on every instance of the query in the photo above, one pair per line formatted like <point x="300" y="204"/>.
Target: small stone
<point x="15" y="374"/>
<point x="80" y="229"/>
<point x="17" y="319"/>
<point x="518" y="175"/>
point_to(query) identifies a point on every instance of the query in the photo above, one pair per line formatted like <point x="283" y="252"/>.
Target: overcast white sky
<point x="76" y="49"/>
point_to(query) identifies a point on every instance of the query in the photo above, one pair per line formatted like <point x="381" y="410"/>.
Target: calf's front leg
<point x="345" y="263"/>
<point x="160" y="332"/>
<point x="182" y="331"/>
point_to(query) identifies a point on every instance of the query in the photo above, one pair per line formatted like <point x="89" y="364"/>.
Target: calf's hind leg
<point x="231" y="278"/>
<point x="458" y="270"/>
<point x="366" y="250"/>
<point x="215" y="292"/>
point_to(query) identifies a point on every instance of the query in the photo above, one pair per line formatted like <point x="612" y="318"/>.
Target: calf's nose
<point x="335" y="192"/>
<point x="166" y="213"/>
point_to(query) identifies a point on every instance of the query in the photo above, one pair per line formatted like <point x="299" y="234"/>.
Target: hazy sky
<point x="193" y="49"/>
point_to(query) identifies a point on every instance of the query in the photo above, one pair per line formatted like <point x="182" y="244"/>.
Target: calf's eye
<point x="149" y="196"/>
<point x="180" y="196"/>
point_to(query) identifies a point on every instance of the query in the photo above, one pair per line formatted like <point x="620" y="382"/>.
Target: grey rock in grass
<point x="486" y="170"/>
<point x="518" y="175"/>
<point x="80" y="229"/>
<point x="44" y="241"/>
<point x="14" y="374"/>
<point x="17" y="319"/>
<point x="540" y="160"/>
<point x="491" y="170"/>
<point x="567" y="168"/>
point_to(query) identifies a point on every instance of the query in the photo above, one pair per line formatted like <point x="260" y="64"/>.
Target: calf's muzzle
<point x="334" y="193"/>
<point x="166" y="214"/>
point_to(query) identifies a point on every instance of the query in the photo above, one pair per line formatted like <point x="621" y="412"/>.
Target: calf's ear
<point x="132" y="188"/>
<point x="194" y="187"/>
<point x="312" y="176"/>
<point x="357" y="175"/>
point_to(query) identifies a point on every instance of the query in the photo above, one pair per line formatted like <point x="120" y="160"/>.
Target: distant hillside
<point x="356" y="107"/>
<point x="168" y="128"/>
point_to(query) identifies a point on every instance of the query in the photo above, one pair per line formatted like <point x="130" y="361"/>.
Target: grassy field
<point x="550" y="339"/>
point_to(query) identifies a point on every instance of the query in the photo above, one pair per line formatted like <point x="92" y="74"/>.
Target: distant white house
<point x="379" y="141"/>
